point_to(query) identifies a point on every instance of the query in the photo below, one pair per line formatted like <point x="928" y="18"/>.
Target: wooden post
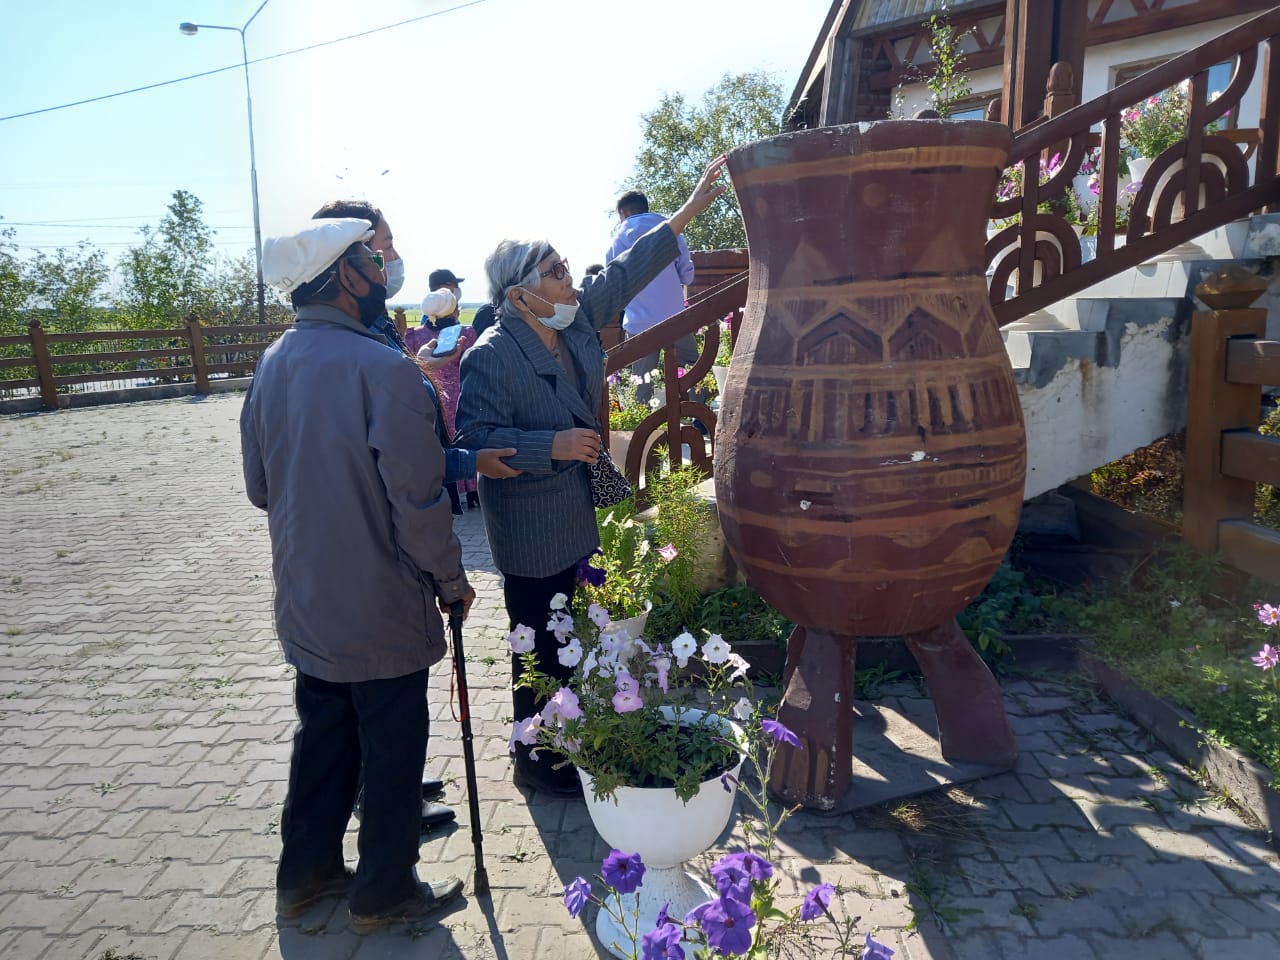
<point x="44" y="367"/>
<point x="1215" y="405"/>
<point x="1039" y="33"/>
<point x="840" y="90"/>
<point x="195" y="334"/>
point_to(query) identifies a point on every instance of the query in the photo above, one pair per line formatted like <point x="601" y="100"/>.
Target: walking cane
<point x="468" y="751"/>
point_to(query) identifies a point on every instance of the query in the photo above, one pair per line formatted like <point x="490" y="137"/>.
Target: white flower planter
<point x="666" y="832"/>
<point x="633" y="627"/>
<point x="1138" y="167"/>
<point x="722" y="376"/>
<point x="1084" y="196"/>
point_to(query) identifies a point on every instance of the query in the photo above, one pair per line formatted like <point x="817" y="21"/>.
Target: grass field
<point x="414" y="316"/>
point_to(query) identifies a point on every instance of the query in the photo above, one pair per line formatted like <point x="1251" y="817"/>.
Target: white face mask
<point x="395" y="277"/>
<point x="565" y="313"/>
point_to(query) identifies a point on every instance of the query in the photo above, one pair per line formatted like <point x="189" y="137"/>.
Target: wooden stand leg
<point x="972" y="723"/>
<point x="818" y="707"/>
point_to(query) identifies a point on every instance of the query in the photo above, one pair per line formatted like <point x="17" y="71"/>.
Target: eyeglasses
<point x="378" y="259"/>
<point x="559" y="270"/>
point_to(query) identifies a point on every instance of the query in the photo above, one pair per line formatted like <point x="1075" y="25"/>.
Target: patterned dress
<point x="446" y="378"/>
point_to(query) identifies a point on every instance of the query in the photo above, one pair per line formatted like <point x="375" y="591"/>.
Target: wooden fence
<point x="53" y="365"/>
<point x="1226" y="455"/>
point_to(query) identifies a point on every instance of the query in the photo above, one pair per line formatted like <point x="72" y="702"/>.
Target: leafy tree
<point x="68" y="286"/>
<point x="15" y="287"/>
<point x="167" y="277"/>
<point x="680" y="139"/>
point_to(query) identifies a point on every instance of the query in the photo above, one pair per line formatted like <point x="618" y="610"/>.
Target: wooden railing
<point x="1226" y="456"/>
<point x="53" y="364"/>
<point x="672" y="425"/>
<point x="1202" y="182"/>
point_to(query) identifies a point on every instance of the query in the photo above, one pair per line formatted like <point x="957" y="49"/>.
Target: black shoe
<point x="294" y="903"/>
<point x="457" y="511"/>
<point x="473" y="501"/>
<point x="431" y="789"/>
<point x="436" y="815"/>
<point x="426" y="900"/>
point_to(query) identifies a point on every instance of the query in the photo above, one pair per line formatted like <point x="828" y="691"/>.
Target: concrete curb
<point x="1247" y="781"/>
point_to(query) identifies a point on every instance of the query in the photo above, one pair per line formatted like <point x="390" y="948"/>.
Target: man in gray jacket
<point x="340" y="448"/>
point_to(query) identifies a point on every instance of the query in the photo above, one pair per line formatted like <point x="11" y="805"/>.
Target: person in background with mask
<point x="534" y="382"/>
<point x="439" y="312"/>
<point x="338" y="445"/>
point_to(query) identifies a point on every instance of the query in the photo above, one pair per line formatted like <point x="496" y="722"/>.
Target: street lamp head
<point x="189" y="29"/>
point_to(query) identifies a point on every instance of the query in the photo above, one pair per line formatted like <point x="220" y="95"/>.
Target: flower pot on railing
<point x="1138" y="167"/>
<point x="721" y="374"/>
<point x="1084" y="192"/>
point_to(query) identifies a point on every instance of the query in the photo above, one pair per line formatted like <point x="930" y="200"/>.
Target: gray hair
<point x="514" y="263"/>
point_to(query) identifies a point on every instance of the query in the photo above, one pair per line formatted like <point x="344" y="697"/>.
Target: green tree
<point x="68" y="285"/>
<point x="680" y="139"/>
<point x="15" y="287"/>
<point x="167" y="276"/>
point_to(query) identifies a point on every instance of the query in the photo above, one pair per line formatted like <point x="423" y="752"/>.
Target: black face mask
<point x="443" y="322"/>
<point x="372" y="305"/>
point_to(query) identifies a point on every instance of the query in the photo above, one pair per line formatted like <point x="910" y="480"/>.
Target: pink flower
<point x="566" y="704"/>
<point x="668" y="553"/>
<point x="663" y="666"/>
<point x="627" y="701"/>
<point x="1268" y="657"/>
<point x="1268" y="614"/>
<point x="521" y="639"/>
<point x="525" y="731"/>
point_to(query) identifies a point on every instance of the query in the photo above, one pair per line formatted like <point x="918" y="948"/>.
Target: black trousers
<point x="528" y="601"/>
<point x="377" y="725"/>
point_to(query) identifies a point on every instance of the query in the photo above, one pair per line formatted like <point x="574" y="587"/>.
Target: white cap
<point x="297" y="258"/>
<point x="438" y="303"/>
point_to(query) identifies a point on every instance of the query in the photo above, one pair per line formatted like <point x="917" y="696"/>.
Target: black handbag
<point x="609" y="485"/>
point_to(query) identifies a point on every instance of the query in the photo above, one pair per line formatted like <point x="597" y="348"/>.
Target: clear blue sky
<point x="493" y="118"/>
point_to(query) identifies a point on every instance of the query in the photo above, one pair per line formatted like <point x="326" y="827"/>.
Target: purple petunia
<point x="876" y="950"/>
<point x="779" y="732"/>
<point x="576" y="895"/>
<point x="732" y="878"/>
<point x="816" y="901"/>
<point x="662" y="943"/>
<point x="727" y="926"/>
<point x="623" y="871"/>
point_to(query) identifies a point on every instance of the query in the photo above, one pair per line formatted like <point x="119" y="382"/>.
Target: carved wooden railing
<point x="1202" y="182"/>
<point x="672" y="425"/>
<point x="55" y="364"/>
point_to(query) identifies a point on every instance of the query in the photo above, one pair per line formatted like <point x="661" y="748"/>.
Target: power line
<point x="238" y="66"/>
<point x="63" y="225"/>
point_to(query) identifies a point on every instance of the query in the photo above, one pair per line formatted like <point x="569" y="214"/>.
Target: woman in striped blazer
<point x="534" y="382"/>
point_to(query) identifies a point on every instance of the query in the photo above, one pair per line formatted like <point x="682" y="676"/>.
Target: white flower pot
<point x="1084" y="196"/>
<point x="722" y="375"/>
<point x="666" y="832"/>
<point x="633" y="627"/>
<point x="1138" y="167"/>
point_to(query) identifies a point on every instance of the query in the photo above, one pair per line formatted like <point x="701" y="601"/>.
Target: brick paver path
<point x="145" y="717"/>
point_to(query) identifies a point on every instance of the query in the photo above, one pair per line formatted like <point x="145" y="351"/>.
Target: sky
<point x="487" y="119"/>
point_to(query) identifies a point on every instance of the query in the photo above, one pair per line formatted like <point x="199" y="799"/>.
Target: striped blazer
<point x="514" y="394"/>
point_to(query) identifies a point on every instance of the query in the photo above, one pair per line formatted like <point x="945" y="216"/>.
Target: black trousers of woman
<point x="528" y="601"/>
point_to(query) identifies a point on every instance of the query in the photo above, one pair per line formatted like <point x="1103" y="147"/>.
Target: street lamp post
<point x="190" y="30"/>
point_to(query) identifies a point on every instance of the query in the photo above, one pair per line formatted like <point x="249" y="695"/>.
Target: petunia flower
<point x="876" y="950"/>
<point x="559" y="601"/>
<point x="627" y="701"/>
<point x="662" y="943"/>
<point x="684" y="646"/>
<point x="623" y="871"/>
<point x="715" y="650"/>
<point x="599" y="615"/>
<point x="739" y="664"/>
<point x="521" y="639"/>
<point x="663" y="667"/>
<point x="779" y="732"/>
<point x="668" y="553"/>
<point x="571" y="653"/>
<point x="727" y="926"/>
<point x="733" y="879"/>
<point x="525" y="731"/>
<point x="816" y="902"/>
<point x="566" y="704"/>
<point x="743" y="709"/>
<point x="576" y="895"/>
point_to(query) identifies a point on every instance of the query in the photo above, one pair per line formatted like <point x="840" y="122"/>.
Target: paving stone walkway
<point x="145" y="718"/>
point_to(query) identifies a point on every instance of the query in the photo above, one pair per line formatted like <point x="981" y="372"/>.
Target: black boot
<point x="473" y="500"/>
<point x="452" y="488"/>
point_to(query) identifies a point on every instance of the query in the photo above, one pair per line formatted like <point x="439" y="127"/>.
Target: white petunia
<point x="599" y="615"/>
<point x="684" y="647"/>
<point x="742" y="709"/>
<point x="570" y="654"/>
<point x="739" y="665"/>
<point x="715" y="650"/>
<point x="521" y="639"/>
<point x="559" y="601"/>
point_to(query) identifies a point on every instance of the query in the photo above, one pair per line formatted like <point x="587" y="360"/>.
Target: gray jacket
<point x="514" y="394"/>
<point x="340" y="448"/>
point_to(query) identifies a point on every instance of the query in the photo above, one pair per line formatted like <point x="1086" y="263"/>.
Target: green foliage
<point x="948" y="83"/>
<point x="680" y="139"/>
<point x="629" y="561"/>
<point x="1267" y="504"/>
<point x="681" y="522"/>
<point x="1009" y="604"/>
<point x="741" y="615"/>
<point x="1157" y="123"/>
<point x="68" y="285"/>
<point x="15" y="287"/>
<point x="1180" y="630"/>
<point x="625" y="411"/>
<point x="165" y="278"/>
